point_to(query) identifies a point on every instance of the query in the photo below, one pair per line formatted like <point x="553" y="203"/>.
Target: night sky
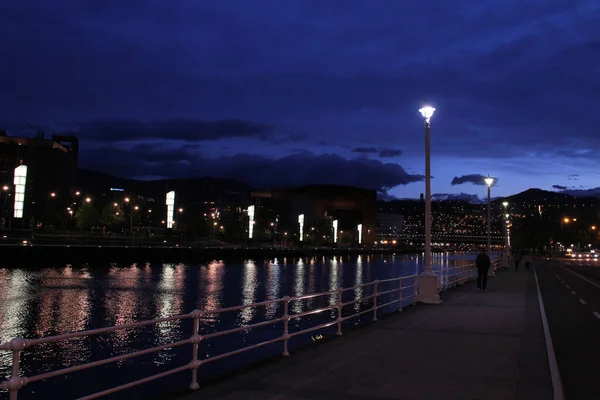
<point x="284" y="92"/>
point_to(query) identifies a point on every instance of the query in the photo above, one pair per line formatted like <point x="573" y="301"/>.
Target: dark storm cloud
<point x="365" y="150"/>
<point x="572" y="177"/>
<point x="583" y="192"/>
<point x="559" y="187"/>
<point x="514" y="89"/>
<point x="475" y="179"/>
<point x="382" y="152"/>
<point x="296" y="169"/>
<point x="176" y="129"/>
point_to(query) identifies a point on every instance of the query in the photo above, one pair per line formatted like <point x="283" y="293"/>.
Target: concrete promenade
<point x="475" y="345"/>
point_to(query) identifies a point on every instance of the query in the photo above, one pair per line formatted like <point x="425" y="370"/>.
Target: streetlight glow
<point x="88" y="200"/>
<point x="5" y="188"/>
<point x="505" y="204"/>
<point x="427" y="112"/>
<point x="489" y="181"/>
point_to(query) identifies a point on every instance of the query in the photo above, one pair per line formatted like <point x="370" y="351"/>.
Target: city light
<point x="170" y="206"/>
<point x="360" y="228"/>
<point x="88" y="200"/>
<point x="301" y="223"/>
<point x="5" y="188"/>
<point x="250" y="222"/>
<point x="20" y="180"/>
<point x="335" y="229"/>
<point x="489" y="181"/>
<point x="77" y="193"/>
<point x="52" y="194"/>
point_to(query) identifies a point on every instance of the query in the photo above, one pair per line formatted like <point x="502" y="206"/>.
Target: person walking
<point x="483" y="264"/>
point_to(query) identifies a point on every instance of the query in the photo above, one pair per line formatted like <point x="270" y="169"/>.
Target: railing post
<point x="196" y="338"/>
<point x="375" y="292"/>
<point x="16" y="382"/>
<point x="400" y="293"/>
<point x="339" y="307"/>
<point x="416" y="289"/>
<point x="286" y="320"/>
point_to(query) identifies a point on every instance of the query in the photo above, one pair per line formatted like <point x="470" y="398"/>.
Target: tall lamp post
<point x="505" y="204"/>
<point x="428" y="282"/>
<point x="489" y="181"/>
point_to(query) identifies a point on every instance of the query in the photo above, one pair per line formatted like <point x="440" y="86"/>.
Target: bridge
<point x="452" y="238"/>
<point x="513" y="341"/>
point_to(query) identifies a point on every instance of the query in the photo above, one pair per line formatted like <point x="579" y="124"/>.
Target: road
<point x="571" y="293"/>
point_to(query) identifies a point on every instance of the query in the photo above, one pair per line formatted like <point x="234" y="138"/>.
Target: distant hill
<point x="193" y="189"/>
<point x="539" y="196"/>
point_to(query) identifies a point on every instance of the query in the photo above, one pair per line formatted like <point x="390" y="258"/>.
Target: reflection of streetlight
<point x="428" y="284"/>
<point x="489" y="181"/>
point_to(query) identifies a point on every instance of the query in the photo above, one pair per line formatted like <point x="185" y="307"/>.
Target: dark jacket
<point x="483" y="262"/>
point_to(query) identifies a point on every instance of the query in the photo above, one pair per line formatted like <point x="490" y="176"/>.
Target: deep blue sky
<point x="298" y="91"/>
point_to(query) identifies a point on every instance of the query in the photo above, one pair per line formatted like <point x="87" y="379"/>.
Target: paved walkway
<point x="476" y="345"/>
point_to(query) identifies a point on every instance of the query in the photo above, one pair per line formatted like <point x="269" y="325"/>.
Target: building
<point x="51" y="173"/>
<point x="320" y="205"/>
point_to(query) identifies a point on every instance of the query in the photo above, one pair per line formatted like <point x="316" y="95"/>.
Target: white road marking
<point x="582" y="277"/>
<point x="572" y="291"/>
<point x="582" y="301"/>
<point x="597" y="314"/>
<point x="554" y="371"/>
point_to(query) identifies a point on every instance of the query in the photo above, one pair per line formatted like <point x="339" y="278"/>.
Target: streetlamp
<point x="565" y="221"/>
<point x="428" y="282"/>
<point x="489" y="181"/>
<point x="505" y="204"/>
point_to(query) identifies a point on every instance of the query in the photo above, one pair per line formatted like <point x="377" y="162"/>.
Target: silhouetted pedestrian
<point x="483" y="264"/>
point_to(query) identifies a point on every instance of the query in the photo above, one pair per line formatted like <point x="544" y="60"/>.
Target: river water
<point x="39" y="302"/>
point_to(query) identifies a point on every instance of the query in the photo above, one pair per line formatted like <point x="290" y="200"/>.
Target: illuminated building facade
<point x="51" y="168"/>
<point x="320" y="206"/>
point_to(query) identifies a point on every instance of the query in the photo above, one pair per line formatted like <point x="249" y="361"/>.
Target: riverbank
<point x="28" y="254"/>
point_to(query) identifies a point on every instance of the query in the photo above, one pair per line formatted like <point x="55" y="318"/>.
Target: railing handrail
<point x="18" y="345"/>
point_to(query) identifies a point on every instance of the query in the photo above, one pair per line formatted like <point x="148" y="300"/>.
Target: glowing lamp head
<point x="489" y="181"/>
<point x="566" y="220"/>
<point x="505" y="204"/>
<point x="427" y="112"/>
<point x="5" y="188"/>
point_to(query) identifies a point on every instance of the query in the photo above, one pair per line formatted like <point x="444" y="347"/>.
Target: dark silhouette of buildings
<point x="51" y="168"/>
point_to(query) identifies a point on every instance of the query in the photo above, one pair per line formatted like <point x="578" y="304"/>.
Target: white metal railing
<point x="379" y="288"/>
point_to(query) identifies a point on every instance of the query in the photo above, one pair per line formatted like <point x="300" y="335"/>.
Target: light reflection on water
<point x="47" y="301"/>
